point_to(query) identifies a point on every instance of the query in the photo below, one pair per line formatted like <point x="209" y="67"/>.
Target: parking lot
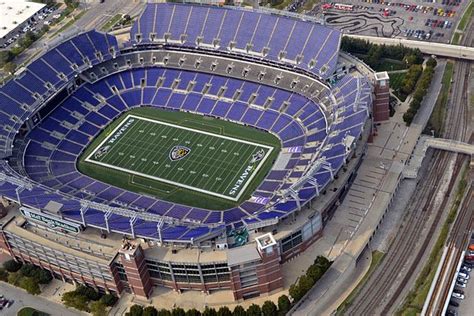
<point x="465" y="293"/>
<point x="39" y="21"/>
<point x="426" y="20"/>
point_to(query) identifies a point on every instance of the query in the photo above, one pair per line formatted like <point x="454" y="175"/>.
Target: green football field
<point x="181" y="157"/>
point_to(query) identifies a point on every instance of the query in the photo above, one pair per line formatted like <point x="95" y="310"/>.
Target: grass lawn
<point x="466" y="17"/>
<point x="28" y="311"/>
<point x="377" y="257"/>
<point x="456" y="38"/>
<point x="436" y="120"/>
<point x="108" y="26"/>
<point x="396" y="80"/>
<point x="181" y="157"/>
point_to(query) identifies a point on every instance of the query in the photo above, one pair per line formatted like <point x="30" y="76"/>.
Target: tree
<point x="5" y="57"/>
<point x="3" y="275"/>
<point x="209" y="312"/>
<point x="109" y="299"/>
<point x="43" y="276"/>
<point x="135" y="310"/>
<point x="269" y="308"/>
<point x="14" y="278"/>
<point x="164" y="312"/>
<point x="73" y="299"/>
<point x="431" y="62"/>
<point x="98" y="308"/>
<point x="10" y="67"/>
<point x="88" y="292"/>
<point x="12" y="265"/>
<point x="284" y="304"/>
<point x="254" y="310"/>
<point x="315" y="272"/>
<point x="322" y="262"/>
<point x="239" y="311"/>
<point x="30" y="285"/>
<point x="150" y="311"/>
<point x="178" y="311"/>
<point x="193" y="312"/>
<point x="305" y="283"/>
<point x="295" y="292"/>
<point x="224" y="311"/>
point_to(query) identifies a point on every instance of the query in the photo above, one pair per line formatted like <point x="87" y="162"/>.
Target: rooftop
<point x="15" y="12"/>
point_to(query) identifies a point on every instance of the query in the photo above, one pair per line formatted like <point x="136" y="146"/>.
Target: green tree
<point x="10" y="67"/>
<point x="150" y="311"/>
<point x="284" y="304"/>
<point x="12" y="265"/>
<point x="193" y="312"/>
<point x="269" y="308"/>
<point x="14" y="278"/>
<point x="3" y="275"/>
<point x="239" y="311"/>
<point x="164" y="312"/>
<point x="431" y="62"/>
<point x="305" y="283"/>
<point x="178" y="311"/>
<point x="322" y="262"/>
<point x="135" y="310"/>
<point x="73" y="299"/>
<point x="295" y="292"/>
<point x="209" y="312"/>
<point x="98" y="308"/>
<point x="88" y="292"/>
<point x="315" y="272"/>
<point x="224" y="311"/>
<point x="254" y="310"/>
<point x="109" y="299"/>
<point x="30" y="285"/>
<point x="43" y="276"/>
<point x="5" y="57"/>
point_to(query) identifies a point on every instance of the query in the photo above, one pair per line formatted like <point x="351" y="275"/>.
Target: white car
<point x="458" y="296"/>
<point x="463" y="275"/>
<point x="459" y="284"/>
<point x="466" y="268"/>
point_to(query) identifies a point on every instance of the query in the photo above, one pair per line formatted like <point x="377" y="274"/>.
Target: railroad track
<point x="386" y="284"/>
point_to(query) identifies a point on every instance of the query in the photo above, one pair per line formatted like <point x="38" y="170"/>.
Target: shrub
<point x="14" y="278"/>
<point x="88" y="292"/>
<point x="178" y="311"/>
<point x="164" y="312"/>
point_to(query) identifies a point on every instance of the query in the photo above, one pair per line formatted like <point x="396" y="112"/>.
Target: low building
<point x="15" y="15"/>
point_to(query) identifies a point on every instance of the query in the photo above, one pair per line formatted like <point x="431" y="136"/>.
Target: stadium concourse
<point x="223" y="73"/>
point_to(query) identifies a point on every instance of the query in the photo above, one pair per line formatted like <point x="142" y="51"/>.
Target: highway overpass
<point x="438" y="49"/>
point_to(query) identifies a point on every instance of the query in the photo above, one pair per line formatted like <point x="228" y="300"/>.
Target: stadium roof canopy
<point x="15" y="12"/>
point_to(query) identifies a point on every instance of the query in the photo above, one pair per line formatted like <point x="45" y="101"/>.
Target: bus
<point x="344" y="7"/>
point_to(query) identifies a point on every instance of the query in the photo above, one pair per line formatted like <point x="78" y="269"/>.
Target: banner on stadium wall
<point x="50" y="221"/>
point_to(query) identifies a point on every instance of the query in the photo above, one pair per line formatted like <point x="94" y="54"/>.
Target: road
<point x="23" y="299"/>
<point x="438" y="49"/>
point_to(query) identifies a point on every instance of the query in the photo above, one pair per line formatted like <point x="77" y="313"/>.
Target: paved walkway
<point x="23" y="299"/>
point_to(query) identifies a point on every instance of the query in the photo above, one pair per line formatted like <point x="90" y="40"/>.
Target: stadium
<point x="201" y="153"/>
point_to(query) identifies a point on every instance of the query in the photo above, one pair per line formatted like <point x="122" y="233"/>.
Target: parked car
<point x="459" y="284"/>
<point x="453" y="303"/>
<point x="459" y="291"/>
<point x="464" y="267"/>
<point x="463" y="275"/>
<point x="458" y="296"/>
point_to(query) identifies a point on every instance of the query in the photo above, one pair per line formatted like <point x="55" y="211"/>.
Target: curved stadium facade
<point x="210" y="75"/>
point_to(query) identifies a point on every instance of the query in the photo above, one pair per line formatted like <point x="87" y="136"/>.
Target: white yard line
<point x="241" y="190"/>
